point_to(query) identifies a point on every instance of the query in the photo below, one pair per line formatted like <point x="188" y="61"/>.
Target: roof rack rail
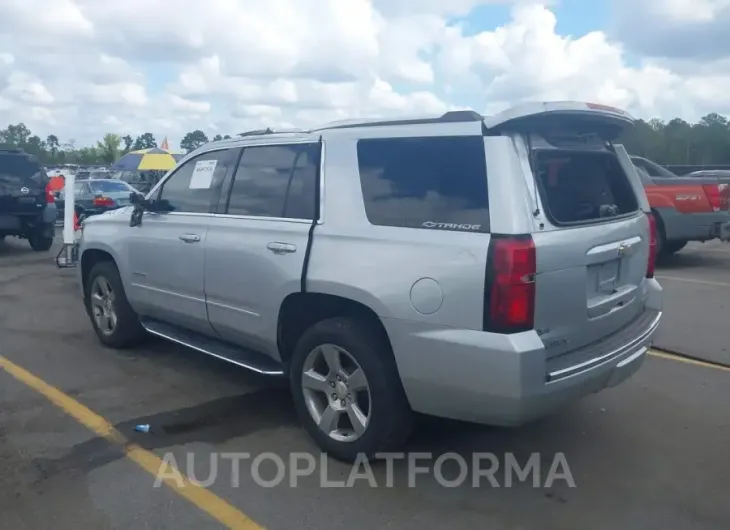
<point x="461" y="115"/>
<point x="453" y="116"/>
<point x="257" y="132"/>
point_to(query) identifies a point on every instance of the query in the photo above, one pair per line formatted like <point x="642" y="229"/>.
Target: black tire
<point x="390" y="414"/>
<point x="128" y="332"/>
<point x="40" y="242"/>
<point x="672" y="247"/>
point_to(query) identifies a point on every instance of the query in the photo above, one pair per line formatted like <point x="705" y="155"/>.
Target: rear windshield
<point x="580" y="186"/>
<point x="437" y="183"/>
<point x="109" y="186"/>
<point x="23" y="168"/>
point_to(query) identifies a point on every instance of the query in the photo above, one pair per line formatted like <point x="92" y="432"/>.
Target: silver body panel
<point x="426" y="286"/>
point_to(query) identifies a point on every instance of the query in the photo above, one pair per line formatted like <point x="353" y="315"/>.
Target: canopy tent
<point x="154" y="159"/>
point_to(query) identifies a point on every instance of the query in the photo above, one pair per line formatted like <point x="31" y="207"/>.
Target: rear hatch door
<point x="592" y="233"/>
<point x="22" y="184"/>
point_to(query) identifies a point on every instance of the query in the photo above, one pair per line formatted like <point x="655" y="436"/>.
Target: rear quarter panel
<point x="386" y="268"/>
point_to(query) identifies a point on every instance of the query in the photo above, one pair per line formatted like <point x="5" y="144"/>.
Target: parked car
<point x="437" y="265"/>
<point x="694" y="207"/>
<point x="144" y="181"/>
<point x="27" y="208"/>
<point x="92" y="197"/>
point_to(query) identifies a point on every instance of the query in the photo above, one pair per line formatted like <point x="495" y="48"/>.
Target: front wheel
<point x="115" y="322"/>
<point x="347" y="390"/>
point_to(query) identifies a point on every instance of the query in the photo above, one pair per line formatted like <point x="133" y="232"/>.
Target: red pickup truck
<point x="687" y="208"/>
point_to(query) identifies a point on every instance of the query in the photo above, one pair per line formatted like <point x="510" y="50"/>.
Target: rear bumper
<point x="695" y="226"/>
<point x="723" y="230"/>
<point x="24" y="223"/>
<point x="506" y="379"/>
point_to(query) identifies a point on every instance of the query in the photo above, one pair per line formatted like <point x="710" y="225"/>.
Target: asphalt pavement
<point x="649" y="454"/>
<point x="696" y="284"/>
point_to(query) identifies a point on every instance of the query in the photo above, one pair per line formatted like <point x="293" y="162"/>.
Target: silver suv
<point x="489" y="269"/>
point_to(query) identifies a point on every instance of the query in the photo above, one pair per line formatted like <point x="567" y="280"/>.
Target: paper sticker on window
<point x="202" y="175"/>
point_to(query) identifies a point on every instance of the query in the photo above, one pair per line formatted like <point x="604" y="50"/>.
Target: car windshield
<point x="110" y="186"/>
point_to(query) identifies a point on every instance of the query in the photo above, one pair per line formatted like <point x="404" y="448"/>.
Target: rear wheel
<point x="347" y="390"/>
<point x="115" y="322"/>
<point x="40" y="242"/>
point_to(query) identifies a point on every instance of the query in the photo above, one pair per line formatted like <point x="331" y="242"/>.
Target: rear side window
<point x="438" y="183"/>
<point x="580" y="186"/>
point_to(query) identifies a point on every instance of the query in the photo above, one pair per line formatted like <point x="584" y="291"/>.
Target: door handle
<point x="190" y="238"/>
<point x="281" y="248"/>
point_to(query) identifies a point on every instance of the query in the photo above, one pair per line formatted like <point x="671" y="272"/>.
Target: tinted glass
<point x="110" y="186"/>
<point x="438" y="183"/>
<point x="23" y="168"/>
<point x="276" y="181"/>
<point x="579" y="186"/>
<point x="196" y="195"/>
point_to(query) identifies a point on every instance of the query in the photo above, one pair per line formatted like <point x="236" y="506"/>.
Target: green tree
<point x="145" y="141"/>
<point x="217" y="137"/>
<point x="128" y="142"/>
<point x="35" y="146"/>
<point x="16" y="135"/>
<point x="53" y="145"/>
<point x="192" y="140"/>
<point x="108" y="148"/>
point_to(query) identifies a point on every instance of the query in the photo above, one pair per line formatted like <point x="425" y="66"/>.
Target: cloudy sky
<point x="80" y="68"/>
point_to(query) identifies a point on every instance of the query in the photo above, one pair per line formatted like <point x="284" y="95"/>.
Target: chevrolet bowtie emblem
<point x="623" y="250"/>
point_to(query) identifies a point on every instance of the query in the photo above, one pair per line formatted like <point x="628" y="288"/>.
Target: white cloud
<point x="684" y="31"/>
<point x="80" y="68"/>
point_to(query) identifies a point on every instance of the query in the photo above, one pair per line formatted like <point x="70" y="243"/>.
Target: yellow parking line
<point x="687" y="360"/>
<point x="202" y="498"/>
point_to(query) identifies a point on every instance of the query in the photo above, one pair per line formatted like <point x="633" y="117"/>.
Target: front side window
<point x="276" y="181"/>
<point x="436" y="183"/>
<point x="195" y="186"/>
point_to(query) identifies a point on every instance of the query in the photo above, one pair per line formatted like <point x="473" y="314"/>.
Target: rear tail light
<point x="652" y="245"/>
<point x="50" y="197"/>
<point x="714" y="196"/>
<point x="103" y="201"/>
<point x="509" y="302"/>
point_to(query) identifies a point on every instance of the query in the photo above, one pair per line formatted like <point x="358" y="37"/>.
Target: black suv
<point x="27" y="207"/>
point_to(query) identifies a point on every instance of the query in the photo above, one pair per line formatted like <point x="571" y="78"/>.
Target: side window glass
<point x="195" y="186"/>
<point x="302" y="193"/>
<point x="437" y="183"/>
<point x="276" y="181"/>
